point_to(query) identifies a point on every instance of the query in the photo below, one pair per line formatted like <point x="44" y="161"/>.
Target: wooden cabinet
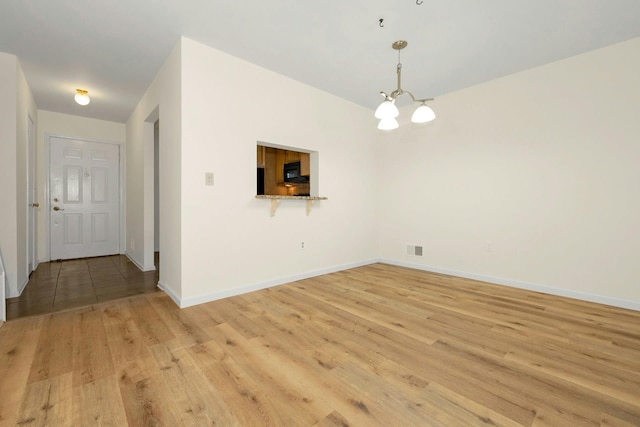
<point x="305" y="164"/>
<point x="260" y="155"/>
<point x="280" y="161"/>
<point x="291" y="156"/>
<point x="271" y="177"/>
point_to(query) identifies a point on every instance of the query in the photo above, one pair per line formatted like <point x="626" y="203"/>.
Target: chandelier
<point x="387" y="110"/>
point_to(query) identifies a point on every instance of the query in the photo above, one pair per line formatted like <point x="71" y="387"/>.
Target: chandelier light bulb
<point x="387" y="110"/>
<point x="82" y="97"/>
<point x="423" y="114"/>
<point x="388" y="124"/>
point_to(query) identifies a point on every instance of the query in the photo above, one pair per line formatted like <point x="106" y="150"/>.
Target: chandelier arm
<point x="395" y="94"/>
<point x="413" y="98"/>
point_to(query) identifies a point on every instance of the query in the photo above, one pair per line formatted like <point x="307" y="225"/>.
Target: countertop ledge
<point x="276" y="199"/>
<point x="268" y="196"/>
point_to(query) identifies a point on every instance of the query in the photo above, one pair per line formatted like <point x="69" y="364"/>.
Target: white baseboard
<point x="584" y="296"/>
<point x="201" y="299"/>
<point x="24" y="285"/>
<point x="17" y="292"/>
<point x="133" y="260"/>
<point x="169" y="292"/>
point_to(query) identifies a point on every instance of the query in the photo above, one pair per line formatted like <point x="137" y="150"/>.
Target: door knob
<point x="35" y="204"/>
<point x="55" y="208"/>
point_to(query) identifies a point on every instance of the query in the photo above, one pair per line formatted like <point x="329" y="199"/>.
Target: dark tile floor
<point x="60" y="285"/>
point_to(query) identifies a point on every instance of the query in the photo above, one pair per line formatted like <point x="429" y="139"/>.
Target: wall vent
<point x="414" y="250"/>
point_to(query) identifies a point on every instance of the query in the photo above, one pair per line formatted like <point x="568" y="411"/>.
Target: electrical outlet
<point x="208" y="178"/>
<point x="301" y="245"/>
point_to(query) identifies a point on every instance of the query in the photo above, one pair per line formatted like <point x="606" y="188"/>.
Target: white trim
<point x="47" y="205"/>
<point x="32" y="218"/>
<point x="584" y="296"/>
<point x="20" y="289"/>
<point x="3" y="287"/>
<point x="169" y="292"/>
<point x="24" y="285"/>
<point x="152" y="268"/>
<point x="201" y="299"/>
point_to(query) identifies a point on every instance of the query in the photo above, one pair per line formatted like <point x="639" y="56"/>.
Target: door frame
<point x="32" y="196"/>
<point x="47" y="203"/>
<point x="3" y="296"/>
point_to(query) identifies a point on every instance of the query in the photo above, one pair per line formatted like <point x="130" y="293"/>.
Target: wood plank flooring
<point x="60" y="285"/>
<point x="373" y="346"/>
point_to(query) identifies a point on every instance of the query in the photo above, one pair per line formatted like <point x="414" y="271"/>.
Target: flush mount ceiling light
<point x="82" y="97"/>
<point x="387" y="110"/>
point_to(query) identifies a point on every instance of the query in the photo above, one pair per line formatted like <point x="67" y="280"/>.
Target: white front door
<point x="84" y="197"/>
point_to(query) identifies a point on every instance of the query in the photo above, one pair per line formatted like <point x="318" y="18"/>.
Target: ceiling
<point x="115" y="48"/>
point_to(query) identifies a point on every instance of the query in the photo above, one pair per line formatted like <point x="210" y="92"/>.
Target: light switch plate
<point x="208" y="178"/>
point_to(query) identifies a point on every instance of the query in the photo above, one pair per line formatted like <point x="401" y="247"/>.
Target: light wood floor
<point x="372" y="346"/>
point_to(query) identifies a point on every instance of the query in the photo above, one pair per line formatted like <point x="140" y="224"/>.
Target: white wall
<point x="57" y="124"/>
<point x="230" y="244"/>
<point x="8" y="138"/>
<point x="16" y="103"/>
<point x="529" y="180"/>
<point x="26" y="107"/>
<point x="161" y="101"/>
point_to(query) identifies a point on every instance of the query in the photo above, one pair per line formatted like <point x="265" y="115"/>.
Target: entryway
<point x="85" y="236"/>
<point x="62" y="285"/>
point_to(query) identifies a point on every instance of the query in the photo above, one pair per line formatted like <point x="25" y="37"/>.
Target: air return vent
<point x="414" y="250"/>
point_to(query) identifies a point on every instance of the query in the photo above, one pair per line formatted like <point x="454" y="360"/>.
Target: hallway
<point x="56" y="286"/>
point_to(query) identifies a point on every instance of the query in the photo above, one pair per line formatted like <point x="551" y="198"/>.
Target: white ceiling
<point x="114" y="48"/>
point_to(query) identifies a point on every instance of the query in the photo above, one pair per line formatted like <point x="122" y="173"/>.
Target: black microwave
<point x="293" y="173"/>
